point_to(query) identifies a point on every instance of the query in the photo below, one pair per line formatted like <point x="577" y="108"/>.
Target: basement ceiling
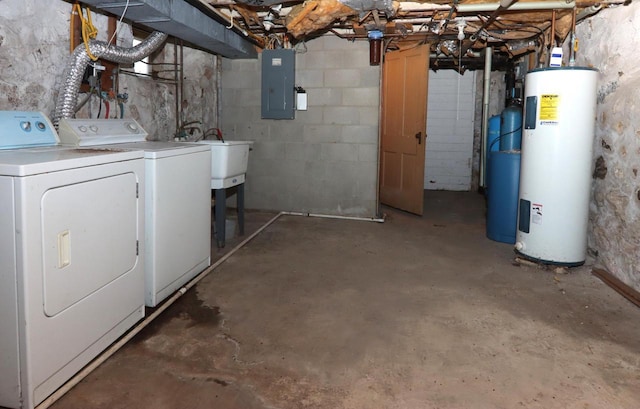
<point x="458" y="30"/>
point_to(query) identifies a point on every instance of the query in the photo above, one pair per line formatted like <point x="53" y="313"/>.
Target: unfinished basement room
<point x="319" y="204"/>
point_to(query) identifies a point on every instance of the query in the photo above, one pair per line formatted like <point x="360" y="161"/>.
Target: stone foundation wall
<point x="608" y="42"/>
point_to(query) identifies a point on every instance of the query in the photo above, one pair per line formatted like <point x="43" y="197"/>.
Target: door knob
<point x="419" y="137"/>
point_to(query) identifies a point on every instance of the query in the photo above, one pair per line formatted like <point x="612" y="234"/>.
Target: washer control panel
<point x="21" y="129"/>
<point x="91" y="132"/>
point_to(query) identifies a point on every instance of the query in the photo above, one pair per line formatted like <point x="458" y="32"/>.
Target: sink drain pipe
<point x="100" y="359"/>
<point x="84" y="372"/>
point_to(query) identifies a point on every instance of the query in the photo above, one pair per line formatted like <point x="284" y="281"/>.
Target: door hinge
<point x="137" y="190"/>
<point x="137" y="247"/>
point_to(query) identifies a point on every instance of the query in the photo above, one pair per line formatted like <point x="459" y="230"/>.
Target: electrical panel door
<point x="278" y="84"/>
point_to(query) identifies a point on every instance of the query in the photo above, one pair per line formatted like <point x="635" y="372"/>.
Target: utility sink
<point x="228" y="162"/>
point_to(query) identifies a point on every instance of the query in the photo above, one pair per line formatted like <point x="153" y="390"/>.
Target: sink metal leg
<point x="240" y="205"/>
<point x="220" y="216"/>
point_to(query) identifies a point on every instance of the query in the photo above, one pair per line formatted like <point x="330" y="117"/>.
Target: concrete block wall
<point x="450" y="118"/>
<point x="325" y="160"/>
<point x="608" y="43"/>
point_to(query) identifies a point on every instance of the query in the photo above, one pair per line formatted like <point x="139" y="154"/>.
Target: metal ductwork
<point x="181" y="20"/>
<point x="364" y="6"/>
<point x="361" y="6"/>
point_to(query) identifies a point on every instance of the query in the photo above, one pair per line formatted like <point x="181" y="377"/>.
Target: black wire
<point x="499" y="138"/>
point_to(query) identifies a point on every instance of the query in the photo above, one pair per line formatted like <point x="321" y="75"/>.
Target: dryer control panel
<point x="91" y="132"/>
<point x="22" y="129"/>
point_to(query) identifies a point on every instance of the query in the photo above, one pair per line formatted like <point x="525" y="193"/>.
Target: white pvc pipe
<point x="484" y="7"/>
<point x="588" y="12"/>
<point x="100" y="359"/>
<point x="519" y="6"/>
<point x="77" y="378"/>
<point x="414" y="6"/>
<point x="330" y="216"/>
<point x="420" y="20"/>
<point x="488" y="55"/>
<point x="473" y="54"/>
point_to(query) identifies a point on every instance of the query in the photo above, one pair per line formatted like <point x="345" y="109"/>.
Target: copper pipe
<point x="572" y="44"/>
<point x="531" y="61"/>
<point x="76" y="30"/>
<point x="177" y="90"/>
<point x="552" y="38"/>
<point x="181" y="81"/>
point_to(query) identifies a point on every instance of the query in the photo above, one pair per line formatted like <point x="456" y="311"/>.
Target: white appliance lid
<point x="160" y="149"/>
<point x="34" y="161"/>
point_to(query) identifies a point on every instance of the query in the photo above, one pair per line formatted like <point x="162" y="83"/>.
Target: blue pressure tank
<point x="502" y="200"/>
<point x="493" y="143"/>
<point x="511" y="128"/>
<point x="494" y="134"/>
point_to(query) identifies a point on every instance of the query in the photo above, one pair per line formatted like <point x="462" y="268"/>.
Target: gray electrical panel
<point x="278" y="84"/>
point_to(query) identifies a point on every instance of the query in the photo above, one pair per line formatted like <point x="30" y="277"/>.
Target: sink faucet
<point x="187" y="129"/>
<point x="214" y="131"/>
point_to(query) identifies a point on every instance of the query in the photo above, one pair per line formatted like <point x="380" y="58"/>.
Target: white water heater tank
<point x="555" y="173"/>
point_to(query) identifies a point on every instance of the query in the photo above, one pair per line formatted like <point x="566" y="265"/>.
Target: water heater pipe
<point x="488" y="55"/>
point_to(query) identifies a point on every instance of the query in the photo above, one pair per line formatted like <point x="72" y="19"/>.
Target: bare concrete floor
<point x="418" y="312"/>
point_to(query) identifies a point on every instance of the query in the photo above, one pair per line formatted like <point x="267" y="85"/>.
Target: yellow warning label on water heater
<point x="549" y="107"/>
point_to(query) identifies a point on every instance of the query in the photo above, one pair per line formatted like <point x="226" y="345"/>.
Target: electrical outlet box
<point x="301" y="101"/>
<point x="556" y="57"/>
<point x="278" y="84"/>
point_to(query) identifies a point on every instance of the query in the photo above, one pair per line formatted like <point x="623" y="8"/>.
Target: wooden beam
<point x="618" y="285"/>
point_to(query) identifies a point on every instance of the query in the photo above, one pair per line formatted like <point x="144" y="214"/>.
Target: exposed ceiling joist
<point x="455" y="28"/>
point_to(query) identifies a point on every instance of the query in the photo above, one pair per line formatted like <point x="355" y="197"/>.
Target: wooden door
<point x="404" y="128"/>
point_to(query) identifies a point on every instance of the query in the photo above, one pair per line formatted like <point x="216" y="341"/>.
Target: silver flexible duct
<point x="68" y="94"/>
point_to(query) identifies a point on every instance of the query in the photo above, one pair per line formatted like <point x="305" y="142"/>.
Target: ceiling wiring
<point x="115" y="34"/>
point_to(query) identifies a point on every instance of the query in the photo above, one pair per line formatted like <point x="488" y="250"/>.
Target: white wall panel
<point x="450" y="117"/>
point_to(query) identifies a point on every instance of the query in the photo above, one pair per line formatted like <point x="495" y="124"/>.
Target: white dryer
<point x="71" y="265"/>
<point x="178" y="199"/>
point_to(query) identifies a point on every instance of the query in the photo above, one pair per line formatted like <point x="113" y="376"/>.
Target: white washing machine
<point x="178" y="199"/>
<point x="71" y="269"/>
